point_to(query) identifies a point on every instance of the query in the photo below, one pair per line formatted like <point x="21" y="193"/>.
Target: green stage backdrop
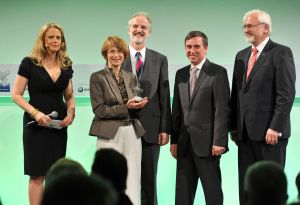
<point x="86" y="24"/>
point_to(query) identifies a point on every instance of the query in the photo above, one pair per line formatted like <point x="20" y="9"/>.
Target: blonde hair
<point x="39" y="52"/>
<point x="114" y="41"/>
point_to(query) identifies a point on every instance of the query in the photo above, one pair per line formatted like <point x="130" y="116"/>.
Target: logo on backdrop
<point x="4" y="84"/>
<point x="82" y="89"/>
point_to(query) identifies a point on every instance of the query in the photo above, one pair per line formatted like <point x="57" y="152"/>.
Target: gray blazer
<point x="156" y="115"/>
<point x="110" y="112"/>
<point x="203" y="117"/>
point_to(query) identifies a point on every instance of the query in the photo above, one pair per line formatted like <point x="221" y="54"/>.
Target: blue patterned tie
<point x="139" y="66"/>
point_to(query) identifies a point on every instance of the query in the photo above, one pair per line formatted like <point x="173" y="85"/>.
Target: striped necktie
<point x="139" y="66"/>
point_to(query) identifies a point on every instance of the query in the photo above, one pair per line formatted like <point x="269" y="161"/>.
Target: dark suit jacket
<point x="156" y="115"/>
<point x="107" y="104"/>
<point x="266" y="99"/>
<point x="205" y="116"/>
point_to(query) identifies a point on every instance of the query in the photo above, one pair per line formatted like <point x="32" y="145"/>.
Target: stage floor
<point x="81" y="147"/>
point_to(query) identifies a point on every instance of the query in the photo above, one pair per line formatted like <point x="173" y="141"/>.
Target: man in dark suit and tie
<point x="263" y="91"/>
<point x="200" y="120"/>
<point x="151" y="69"/>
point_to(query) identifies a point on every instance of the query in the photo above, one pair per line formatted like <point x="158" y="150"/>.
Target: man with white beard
<point x="263" y="91"/>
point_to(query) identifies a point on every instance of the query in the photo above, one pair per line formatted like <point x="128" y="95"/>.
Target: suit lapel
<point x="127" y="64"/>
<point x="149" y="67"/>
<point x="262" y="57"/>
<point x="150" y="75"/>
<point x="184" y="87"/>
<point x="127" y="83"/>
<point x="200" y="79"/>
<point x="246" y="61"/>
<point x="113" y="85"/>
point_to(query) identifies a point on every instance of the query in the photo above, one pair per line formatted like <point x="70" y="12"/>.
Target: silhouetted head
<point x="64" y="166"/>
<point x="79" y="190"/>
<point x="298" y="184"/>
<point x="265" y="183"/>
<point x="111" y="165"/>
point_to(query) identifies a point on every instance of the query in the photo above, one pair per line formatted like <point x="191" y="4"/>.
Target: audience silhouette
<point x="64" y="166"/>
<point x="265" y="184"/>
<point x="112" y="165"/>
<point x="297" y="200"/>
<point x="79" y="189"/>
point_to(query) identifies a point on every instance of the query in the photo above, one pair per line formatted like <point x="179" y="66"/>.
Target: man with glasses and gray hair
<point x="263" y="91"/>
<point x="151" y="69"/>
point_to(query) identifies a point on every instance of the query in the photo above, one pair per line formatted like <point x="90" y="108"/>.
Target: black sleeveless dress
<point x="43" y="146"/>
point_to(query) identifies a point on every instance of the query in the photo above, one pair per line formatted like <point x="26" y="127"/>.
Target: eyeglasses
<point x="136" y="26"/>
<point x="249" y="26"/>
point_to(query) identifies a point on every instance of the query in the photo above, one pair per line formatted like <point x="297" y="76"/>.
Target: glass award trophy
<point x="137" y="92"/>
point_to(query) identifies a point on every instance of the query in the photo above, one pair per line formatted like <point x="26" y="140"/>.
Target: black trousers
<point x="189" y="169"/>
<point x="150" y="155"/>
<point x="250" y="152"/>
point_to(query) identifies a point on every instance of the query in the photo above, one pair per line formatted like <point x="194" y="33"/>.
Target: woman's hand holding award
<point x="137" y="92"/>
<point x="137" y="102"/>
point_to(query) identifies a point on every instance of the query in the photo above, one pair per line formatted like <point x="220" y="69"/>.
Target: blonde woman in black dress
<point x="47" y="74"/>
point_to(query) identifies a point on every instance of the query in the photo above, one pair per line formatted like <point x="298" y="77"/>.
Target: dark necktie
<point x="193" y="80"/>
<point x="139" y="66"/>
<point x="251" y="61"/>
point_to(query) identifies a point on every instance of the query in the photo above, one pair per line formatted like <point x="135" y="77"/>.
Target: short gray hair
<point x="263" y="17"/>
<point x="141" y="13"/>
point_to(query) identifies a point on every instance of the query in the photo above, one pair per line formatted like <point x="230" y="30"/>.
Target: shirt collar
<point x="199" y="66"/>
<point x="261" y="46"/>
<point x="133" y="52"/>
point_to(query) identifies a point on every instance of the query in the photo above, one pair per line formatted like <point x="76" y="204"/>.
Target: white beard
<point x="249" y="39"/>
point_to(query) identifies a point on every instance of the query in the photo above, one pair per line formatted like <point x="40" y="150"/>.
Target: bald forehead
<point x="253" y="17"/>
